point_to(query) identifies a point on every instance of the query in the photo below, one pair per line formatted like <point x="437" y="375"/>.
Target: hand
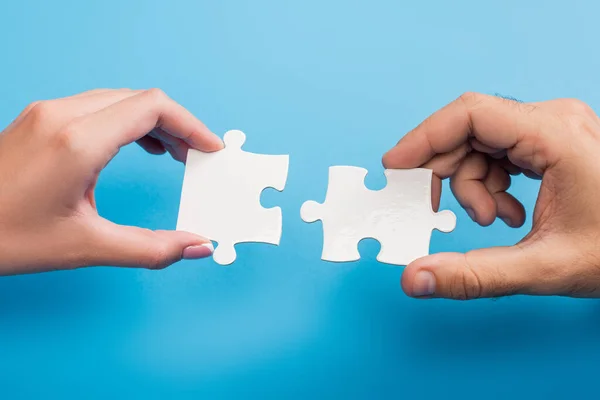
<point x="478" y="141"/>
<point x="50" y="158"/>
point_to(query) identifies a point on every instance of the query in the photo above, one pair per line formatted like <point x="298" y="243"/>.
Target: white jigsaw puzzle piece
<point x="220" y="198"/>
<point x="399" y="216"/>
<point x="341" y="227"/>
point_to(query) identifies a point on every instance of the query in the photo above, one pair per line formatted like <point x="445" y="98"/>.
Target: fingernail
<point x="196" y="252"/>
<point x="424" y="284"/>
<point x="471" y="213"/>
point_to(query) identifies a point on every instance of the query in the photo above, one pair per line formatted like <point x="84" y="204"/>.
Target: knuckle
<point x="64" y="136"/>
<point x="156" y="95"/>
<point x="466" y="284"/>
<point x="159" y="258"/>
<point x="578" y="123"/>
<point x="576" y="106"/>
<point x="63" y="139"/>
<point x="498" y="180"/>
<point x="40" y="111"/>
<point x="70" y="139"/>
<point x="470" y="282"/>
<point x="504" y="181"/>
<point x="470" y="98"/>
<point x="31" y="106"/>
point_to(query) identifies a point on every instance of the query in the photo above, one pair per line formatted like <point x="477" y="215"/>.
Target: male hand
<point x="50" y="158"/>
<point x="478" y="142"/>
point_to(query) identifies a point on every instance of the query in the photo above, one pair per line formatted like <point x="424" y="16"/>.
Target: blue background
<point x="328" y="82"/>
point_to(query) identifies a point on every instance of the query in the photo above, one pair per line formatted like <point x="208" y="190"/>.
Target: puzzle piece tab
<point x="220" y="198"/>
<point x="399" y="216"/>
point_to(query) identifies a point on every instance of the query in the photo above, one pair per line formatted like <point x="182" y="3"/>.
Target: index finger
<point x="495" y="122"/>
<point x="132" y="118"/>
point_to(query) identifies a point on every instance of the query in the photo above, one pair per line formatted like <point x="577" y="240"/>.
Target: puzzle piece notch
<point x="339" y="177"/>
<point x="445" y="221"/>
<point x="234" y="139"/>
<point x="221" y="196"/>
<point x="399" y="216"/>
<point x="309" y="212"/>
<point x="224" y="253"/>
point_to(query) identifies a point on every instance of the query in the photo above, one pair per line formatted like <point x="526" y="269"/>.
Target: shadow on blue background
<point x="336" y="82"/>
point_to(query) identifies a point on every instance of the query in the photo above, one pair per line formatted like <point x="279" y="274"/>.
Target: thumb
<point x="492" y="272"/>
<point x="128" y="246"/>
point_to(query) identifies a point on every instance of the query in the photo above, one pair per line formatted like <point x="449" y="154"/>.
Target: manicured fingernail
<point x="424" y="284"/>
<point x="196" y="252"/>
<point x="471" y="213"/>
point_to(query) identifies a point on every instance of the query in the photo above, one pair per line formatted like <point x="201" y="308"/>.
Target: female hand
<point x="50" y="158"/>
<point x="478" y="141"/>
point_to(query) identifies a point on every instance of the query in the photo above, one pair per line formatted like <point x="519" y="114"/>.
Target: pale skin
<point x="50" y="159"/>
<point x="52" y="154"/>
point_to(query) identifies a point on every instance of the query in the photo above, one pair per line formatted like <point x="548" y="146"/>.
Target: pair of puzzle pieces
<point x="220" y="200"/>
